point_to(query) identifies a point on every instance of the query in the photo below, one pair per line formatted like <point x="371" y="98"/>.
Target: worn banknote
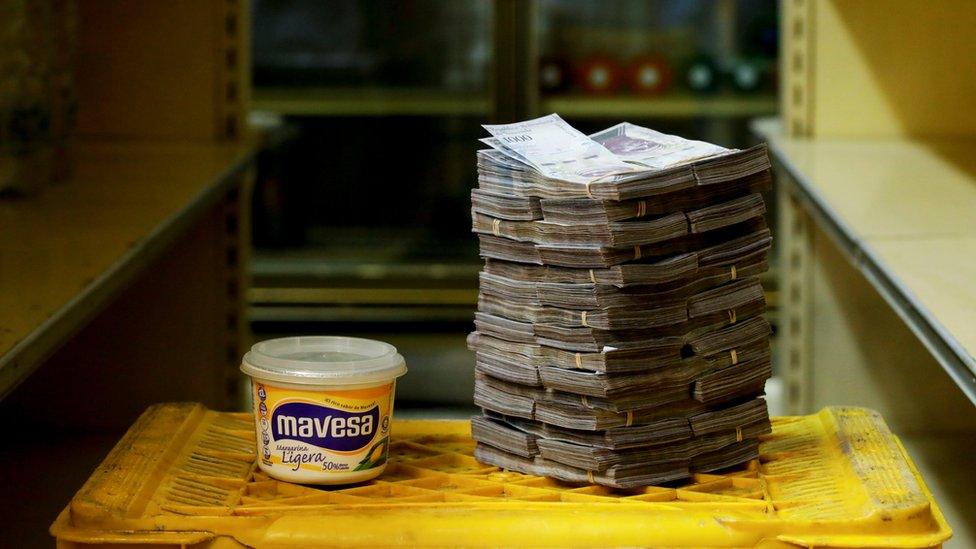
<point x="556" y="149"/>
<point x="653" y="149"/>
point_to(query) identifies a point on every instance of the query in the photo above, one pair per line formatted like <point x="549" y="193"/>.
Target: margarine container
<point x="323" y="407"/>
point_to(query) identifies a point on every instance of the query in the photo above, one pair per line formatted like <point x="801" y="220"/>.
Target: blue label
<point x="324" y="427"/>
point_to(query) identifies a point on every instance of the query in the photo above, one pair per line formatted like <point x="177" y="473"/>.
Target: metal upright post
<point x="515" y="86"/>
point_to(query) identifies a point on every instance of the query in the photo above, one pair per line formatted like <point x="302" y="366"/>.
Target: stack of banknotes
<point x="620" y="337"/>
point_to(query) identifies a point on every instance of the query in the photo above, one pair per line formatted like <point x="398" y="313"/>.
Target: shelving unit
<point x="876" y="171"/>
<point x="147" y="229"/>
<point x="912" y="243"/>
<point x="68" y="253"/>
<point x="123" y="285"/>
<point x="512" y="92"/>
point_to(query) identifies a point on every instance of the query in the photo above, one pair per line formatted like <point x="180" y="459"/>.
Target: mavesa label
<point x="319" y="431"/>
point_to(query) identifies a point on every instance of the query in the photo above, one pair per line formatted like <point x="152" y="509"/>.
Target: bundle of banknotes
<point x="620" y="336"/>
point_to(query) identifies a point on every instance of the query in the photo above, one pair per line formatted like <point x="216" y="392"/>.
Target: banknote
<point x="556" y="149"/>
<point x="500" y="173"/>
<point x="651" y="148"/>
<point x="512" y="154"/>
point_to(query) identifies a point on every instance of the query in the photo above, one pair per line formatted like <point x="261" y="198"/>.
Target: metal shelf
<point x="666" y="106"/>
<point x="369" y="102"/>
<point x="914" y="243"/>
<point x="80" y="244"/>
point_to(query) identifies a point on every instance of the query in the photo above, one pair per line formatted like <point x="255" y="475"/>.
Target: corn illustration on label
<point x="323" y="431"/>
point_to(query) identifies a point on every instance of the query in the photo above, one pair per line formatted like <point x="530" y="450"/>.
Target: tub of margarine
<point x="323" y="407"/>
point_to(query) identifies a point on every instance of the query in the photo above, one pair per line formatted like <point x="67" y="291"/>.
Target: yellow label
<point x="323" y="431"/>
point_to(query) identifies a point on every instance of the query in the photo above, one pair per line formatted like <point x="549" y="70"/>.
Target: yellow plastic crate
<point x="185" y="476"/>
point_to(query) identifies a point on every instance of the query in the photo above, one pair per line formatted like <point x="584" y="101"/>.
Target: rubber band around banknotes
<point x="630" y="418"/>
<point x="584" y="401"/>
<point x="592" y="276"/>
<point x="495" y="226"/>
<point x="735" y="356"/>
<point x="637" y="252"/>
<point x="732" y="317"/>
<point x="588" y="192"/>
<point x="583" y="319"/>
<point x="579" y="360"/>
<point x="738" y="434"/>
<point x="732" y="271"/>
<point x="589" y="477"/>
<point x="641" y="208"/>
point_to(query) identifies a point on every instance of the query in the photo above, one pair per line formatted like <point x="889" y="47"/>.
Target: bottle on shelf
<point x="649" y="75"/>
<point x="599" y="75"/>
<point x="747" y="75"/>
<point x="701" y="75"/>
<point x="554" y="75"/>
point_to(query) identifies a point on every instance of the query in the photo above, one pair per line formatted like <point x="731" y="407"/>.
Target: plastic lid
<point x="324" y="360"/>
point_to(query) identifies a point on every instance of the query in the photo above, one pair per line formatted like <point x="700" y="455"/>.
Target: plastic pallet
<point x="185" y="476"/>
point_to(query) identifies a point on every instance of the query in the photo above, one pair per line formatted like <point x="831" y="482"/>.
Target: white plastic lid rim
<point x="324" y="360"/>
